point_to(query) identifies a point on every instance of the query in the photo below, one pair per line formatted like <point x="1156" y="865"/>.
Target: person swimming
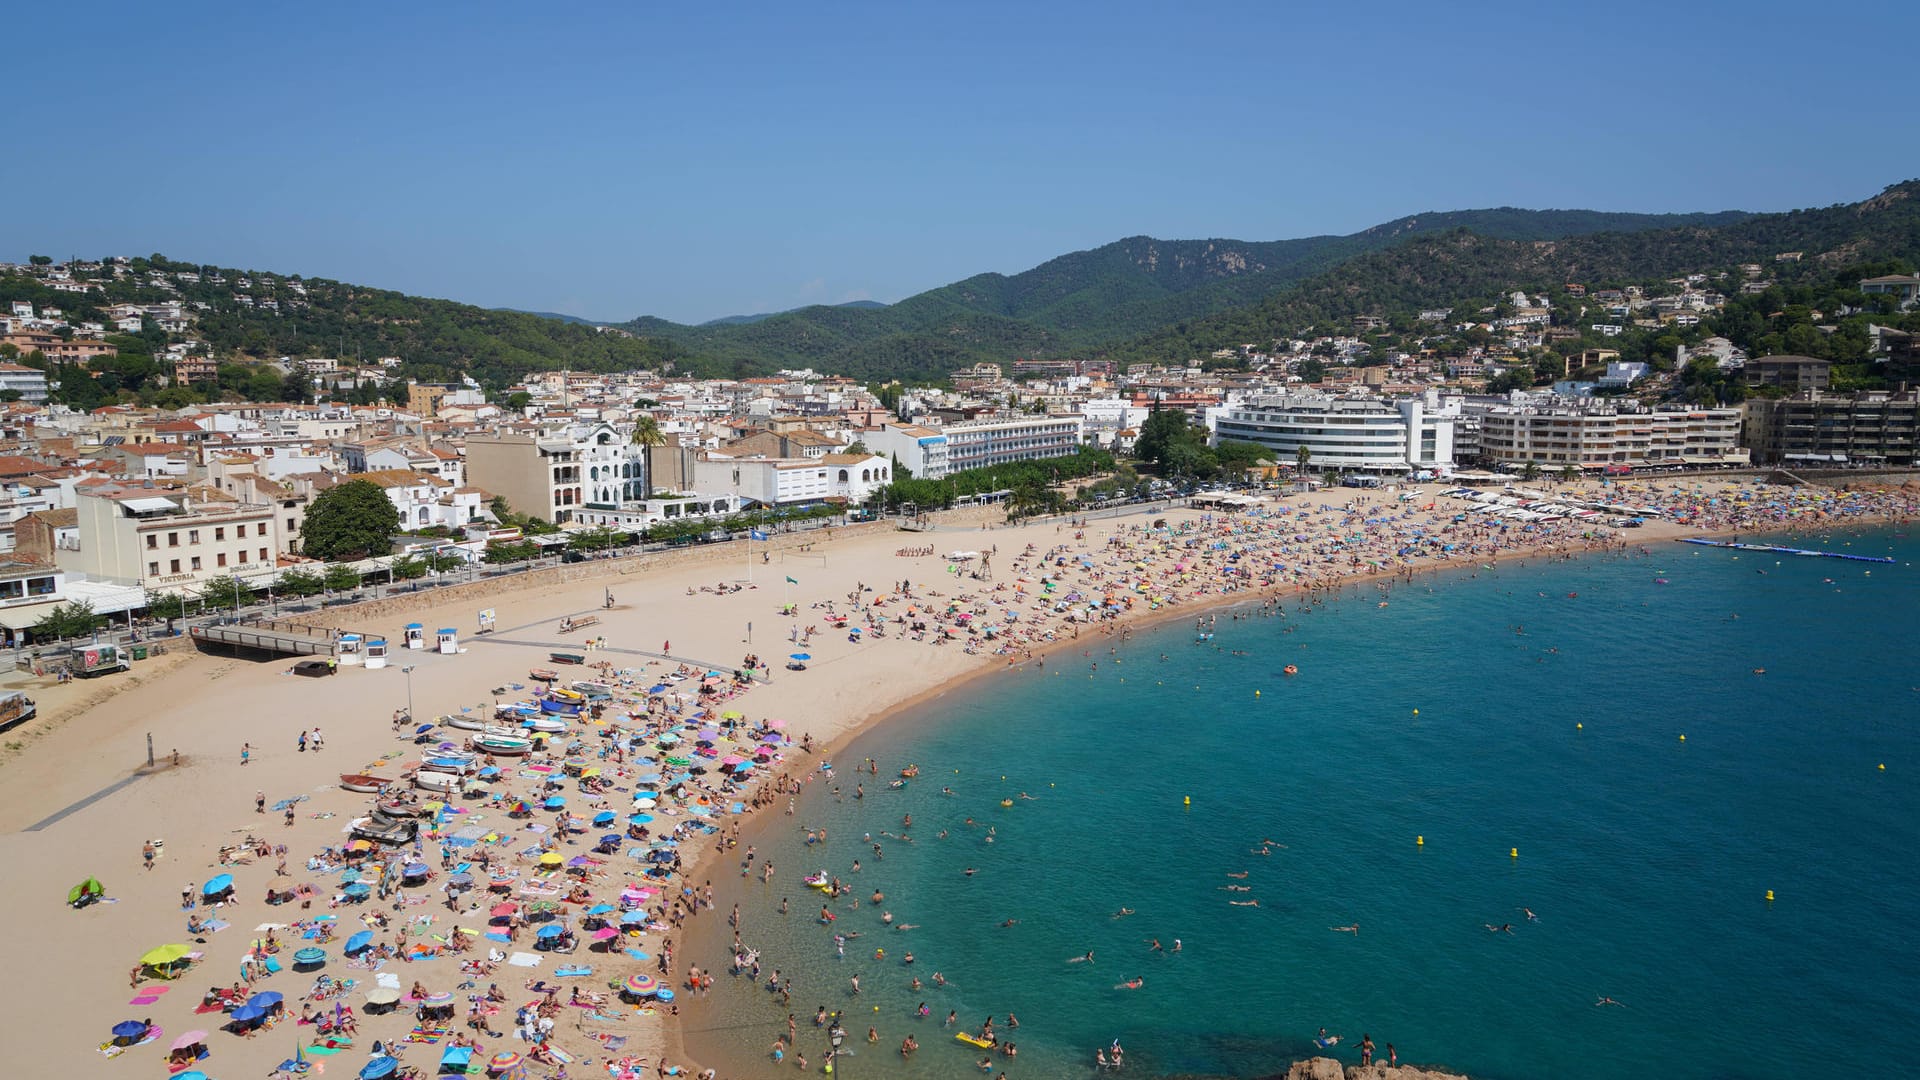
<point x="1087" y="959"/>
<point x="1134" y="983"/>
<point x="1123" y="913"/>
<point x="1609" y="1001"/>
<point x="1502" y="928"/>
<point x="1350" y="928"/>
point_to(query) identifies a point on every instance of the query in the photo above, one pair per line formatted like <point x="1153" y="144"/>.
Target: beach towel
<point x="524" y="959"/>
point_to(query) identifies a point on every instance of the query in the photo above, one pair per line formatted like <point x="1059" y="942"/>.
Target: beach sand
<point x="70" y="970"/>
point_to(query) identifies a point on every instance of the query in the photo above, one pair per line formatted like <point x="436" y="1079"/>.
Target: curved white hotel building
<point x="1351" y="434"/>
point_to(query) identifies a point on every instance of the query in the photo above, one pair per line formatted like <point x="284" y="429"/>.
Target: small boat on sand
<point x="541" y="674"/>
<point x="362" y="782"/>
<point x="466" y="722"/>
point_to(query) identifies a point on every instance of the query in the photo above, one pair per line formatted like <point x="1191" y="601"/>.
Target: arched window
<point x="843" y="476"/>
<point x="866" y="475"/>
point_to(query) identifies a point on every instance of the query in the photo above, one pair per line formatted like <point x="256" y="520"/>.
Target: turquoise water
<point x="1646" y="858"/>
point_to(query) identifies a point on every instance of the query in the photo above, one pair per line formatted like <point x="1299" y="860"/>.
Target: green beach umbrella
<point x="164" y="955"/>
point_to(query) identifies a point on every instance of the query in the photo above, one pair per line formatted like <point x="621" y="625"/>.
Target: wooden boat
<point x="567" y="658"/>
<point x="541" y="674"/>
<point x="360" y="782"/>
<point x="466" y="722"/>
<point x="560" y="707"/>
<point x="501" y="745"/>
<point x="569" y="625"/>
<point x="592" y="691"/>
<point x="449" y="761"/>
<point x="547" y="725"/>
<point x="561" y="693"/>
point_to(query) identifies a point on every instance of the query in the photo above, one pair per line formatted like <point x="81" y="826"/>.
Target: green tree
<point x="1302" y="458"/>
<point x="167" y="606"/>
<point x="407" y="568"/>
<point x="441" y="562"/>
<point x="225" y="593"/>
<point x="511" y="552"/>
<point x="339" y="577"/>
<point x="300" y="582"/>
<point x="349" y="521"/>
<point x="70" y="620"/>
<point x="40" y="260"/>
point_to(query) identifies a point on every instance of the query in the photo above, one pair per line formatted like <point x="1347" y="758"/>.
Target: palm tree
<point x="647" y="435"/>
<point x="1302" y="458"/>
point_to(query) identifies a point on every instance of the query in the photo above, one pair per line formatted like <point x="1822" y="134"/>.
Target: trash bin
<point x="139" y="652"/>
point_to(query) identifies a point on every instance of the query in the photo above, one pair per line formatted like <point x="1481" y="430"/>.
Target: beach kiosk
<point x="449" y="640"/>
<point x="377" y="652"/>
<point x="350" y="650"/>
<point x="415" y="636"/>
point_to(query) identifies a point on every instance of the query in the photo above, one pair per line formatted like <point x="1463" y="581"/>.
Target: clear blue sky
<point x="699" y="160"/>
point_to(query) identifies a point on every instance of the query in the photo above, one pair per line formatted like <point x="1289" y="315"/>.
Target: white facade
<point x="31" y="383"/>
<point x="163" y="541"/>
<point x="794" y="481"/>
<point x="922" y="451"/>
<point x="999" y="442"/>
<point x="1597" y="436"/>
<point x="1349" y="434"/>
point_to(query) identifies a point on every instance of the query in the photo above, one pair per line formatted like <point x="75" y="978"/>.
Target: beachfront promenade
<point x="879" y="629"/>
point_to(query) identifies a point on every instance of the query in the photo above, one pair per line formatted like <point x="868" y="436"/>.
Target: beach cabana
<point x="456" y="1059"/>
<point x="87" y="892"/>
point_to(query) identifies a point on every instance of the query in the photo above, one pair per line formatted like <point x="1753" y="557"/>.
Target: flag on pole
<point x="790" y="581"/>
<point x="756" y="534"/>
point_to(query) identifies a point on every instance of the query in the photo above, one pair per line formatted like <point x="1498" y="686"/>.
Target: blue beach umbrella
<point x="800" y="656"/>
<point x="632" y="917"/>
<point x="358" y="890"/>
<point x="266" y="1000"/>
<point x="218" y="883"/>
<point x="551" y="930"/>
<point x="359" y="941"/>
<point x="310" y="956"/>
<point x="379" y="1067"/>
<point x="640" y="819"/>
<point x="555" y="803"/>
<point x="195" y="1074"/>
<point x="603" y="817"/>
<point x="247" y="1014"/>
<point x="129" y="1029"/>
<point x="601" y="909"/>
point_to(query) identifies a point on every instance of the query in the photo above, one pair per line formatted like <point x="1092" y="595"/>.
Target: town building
<point x="984" y="444"/>
<point x="165" y="540"/>
<point x="29" y="383"/>
<point x="554" y="474"/>
<point x="1791" y="372"/>
<point x="922" y="451"/>
<point x="1873" y="427"/>
<point x="1592" y="435"/>
<point x="1352" y="434"/>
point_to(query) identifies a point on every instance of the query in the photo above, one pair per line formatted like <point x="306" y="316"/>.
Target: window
<point x="241" y="555"/>
<point x="260" y="529"/>
<point x="195" y="563"/>
<point x="153" y="540"/>
<point x="263" y="554"/>
<point x="193" y="536"/>
<point x="220" y="559"/>
<point x="173" y="539"/>
<point x="173" y="567"/>
<point x="153" y="569"/>
<point x="220" y="533"/>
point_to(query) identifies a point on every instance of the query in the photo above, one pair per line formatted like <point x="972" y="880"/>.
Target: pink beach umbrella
<point x="605" y="933"/>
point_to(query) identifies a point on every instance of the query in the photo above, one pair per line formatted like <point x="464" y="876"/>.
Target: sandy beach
<point x="73" y="806"/>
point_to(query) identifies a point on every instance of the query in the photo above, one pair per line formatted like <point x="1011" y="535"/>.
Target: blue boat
<point x="559" y="708"/>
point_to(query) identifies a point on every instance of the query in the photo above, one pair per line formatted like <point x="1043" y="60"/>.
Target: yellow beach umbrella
<point x="551" y="858"/>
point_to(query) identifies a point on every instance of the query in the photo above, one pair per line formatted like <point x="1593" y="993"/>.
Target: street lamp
<point x="408" y="672"/>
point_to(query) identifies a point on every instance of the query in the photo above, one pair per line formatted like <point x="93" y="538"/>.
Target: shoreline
<point x="703" y="940"/>
<point x="206" y="705"/>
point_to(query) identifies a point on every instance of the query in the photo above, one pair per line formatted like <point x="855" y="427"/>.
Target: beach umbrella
<point x="639" y="819"/>
<point x="218" y="883"/>
<point x="501" y="911"/>
<point x="383" y="996"/>
<point x="642" y="984"/>
<point x="129" y="1029"/>
<point x="266" y="1000"/>
<point x="358" y="890"/>
<point x="604" y="817"/>
<point x="359" y="941"/>
<point x="191" y="1038"/>
<point x="632" y="917"/>
<point x="800" y="656"/>
<point x="551" y="858"/>
<point x="502" y="1061"/>
<point x="602" y="909"/>
<point x="196" y="1074"/>
<point x="247" y="1014"/>
<point x="310" y="956"/>
<point x="418" y="869"/>
<point x="379" y="1067"/>
<point x="440" y="998"/>
<point x="164" y="955"/>
<point x="604" y="933"/>
<point x="554" y="803"/>
<point x="551" y="930"/>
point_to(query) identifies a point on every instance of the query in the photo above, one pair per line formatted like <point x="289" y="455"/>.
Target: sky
<point x="699" y="160"/>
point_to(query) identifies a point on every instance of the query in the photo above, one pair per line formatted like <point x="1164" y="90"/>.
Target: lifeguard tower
<point x="376" y="652"/>
<point x="449" y="640"/>
<point x="414" y="636"/>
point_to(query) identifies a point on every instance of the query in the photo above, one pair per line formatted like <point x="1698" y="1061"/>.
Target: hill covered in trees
<point x="1089" y="300"/>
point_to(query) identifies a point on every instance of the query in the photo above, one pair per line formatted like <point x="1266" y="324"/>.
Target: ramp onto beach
<point x="269" y="636"/>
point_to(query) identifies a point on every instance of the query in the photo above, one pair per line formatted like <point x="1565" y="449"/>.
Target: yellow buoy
<point x="1579" y="727"/>
<point x="1683" y="738"/>
<point x="1513" y="853"/>
<point x="1769" y="896"/>
<point x="1419" y="841"/>
<point x="1416" y="712"/>
<point x="1883" y="766"/>
<point x="1256" y="693"/>
<point x="1188" y="800"/>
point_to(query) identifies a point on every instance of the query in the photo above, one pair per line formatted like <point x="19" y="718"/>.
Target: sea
<point x="1676" y="778"/>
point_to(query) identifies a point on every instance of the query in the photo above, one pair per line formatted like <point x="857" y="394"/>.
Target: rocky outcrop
<point x="1329" y="1069"/>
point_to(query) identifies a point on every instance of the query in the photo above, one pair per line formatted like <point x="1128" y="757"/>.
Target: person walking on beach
<point x="147" y="852"/>
<point x="303" y="741"/>
<point x="259" y="802"/>
<point x="246" y="752"/>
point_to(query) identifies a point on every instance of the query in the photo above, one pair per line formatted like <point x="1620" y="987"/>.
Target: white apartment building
<point x="554" y="475"/>
<point x="29" y="383"/>
<point x="922" y="451"/>
<point x="793" y="481"/>
<point x="1351" y="434"/>
<point x="1596" y="436"/>
<point x="982" y="445"/>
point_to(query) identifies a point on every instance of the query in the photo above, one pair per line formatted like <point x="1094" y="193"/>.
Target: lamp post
<point x="408" y="672"/>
